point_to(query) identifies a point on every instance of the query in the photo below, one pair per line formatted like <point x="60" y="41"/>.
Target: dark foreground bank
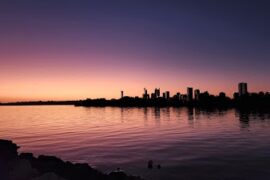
<point x="25" y="166"/>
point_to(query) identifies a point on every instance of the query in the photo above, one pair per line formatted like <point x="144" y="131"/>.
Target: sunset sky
<point x="68" y="50"/>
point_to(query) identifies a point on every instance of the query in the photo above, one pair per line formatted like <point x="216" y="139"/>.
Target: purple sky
<point x="58" y="49"/>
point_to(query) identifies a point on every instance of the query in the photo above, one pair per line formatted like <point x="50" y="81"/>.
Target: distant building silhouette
<point x="164" y="95"/>
<point x="189" y="93"/>
<point x="235" y="95"/>
<point x="183" y="97"/>
<point x="222" y="95"/>
<point x="178" y="95"/>
<point x="167" y="94"/>
<point x="242" y="89"/>
<point x="145" y="95"/>
<point x="242" y="99"/>
<point x="157" y="92"/>
<point x="197" y="94"/>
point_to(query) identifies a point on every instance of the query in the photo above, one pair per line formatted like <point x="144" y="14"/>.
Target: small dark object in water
<point x="159" y="166"/>
<point x="150" y="164"/>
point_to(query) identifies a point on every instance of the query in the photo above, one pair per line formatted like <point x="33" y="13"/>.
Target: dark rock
<point x="26" y="156"/>
<point x="25" y="166"/>
<point x="48" y="176"/>
<point x="150" y="164"/>
<point x="21" y="170"/>
<point x="118" y="175"/>
<point x="8" y="150"/>
<point x="8" y="155"/>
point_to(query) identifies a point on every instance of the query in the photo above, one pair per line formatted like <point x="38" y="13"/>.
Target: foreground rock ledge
<point x="27" y="167"/>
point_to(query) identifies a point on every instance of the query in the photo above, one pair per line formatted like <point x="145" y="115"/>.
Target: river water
<point x="188" y="143"/>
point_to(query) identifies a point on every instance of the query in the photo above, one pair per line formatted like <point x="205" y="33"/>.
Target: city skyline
<point x="53" y="50"/>
<point x="191" y="94"/>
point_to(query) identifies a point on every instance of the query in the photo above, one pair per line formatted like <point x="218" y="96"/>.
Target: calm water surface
<point x="188" y="143"/>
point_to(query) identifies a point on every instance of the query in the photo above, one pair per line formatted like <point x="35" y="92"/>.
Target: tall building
<point x="164" y="95"/>
<point x="183" y="97"/>
<point x="157" y="92"/>
<point x="189" y="93"/>
<point x="197" y="94"/>
<point x="242" y="89"/>
<point x="178" y="95"/>
<point x="145" y="95"/>
<point x="222" y="95"/>
<point x="122" y="94"/>
<point x="167" y="94"/>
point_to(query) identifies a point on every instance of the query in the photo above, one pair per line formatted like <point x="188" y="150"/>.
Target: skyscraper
<point x="189" y="93"/>
<point x="178" y="95"/>
<point x="145" y="95"/>
<point x="122" y="94"/>
<point x="164" y="95"/>
<point x="167" y="94"/>
<point x="157" y="92"/>
<point x="197" y="94"/>
<point x="242" y="89"/>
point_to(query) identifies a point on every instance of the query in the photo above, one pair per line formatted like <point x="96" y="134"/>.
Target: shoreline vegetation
<point x="24" y="166"/>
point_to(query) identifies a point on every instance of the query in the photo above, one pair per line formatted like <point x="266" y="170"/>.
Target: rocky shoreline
<point x="24" y="166"/>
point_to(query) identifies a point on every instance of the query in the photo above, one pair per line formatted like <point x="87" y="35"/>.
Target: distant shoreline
<point x="253" y="102"/>
<point x="38" y="103"/>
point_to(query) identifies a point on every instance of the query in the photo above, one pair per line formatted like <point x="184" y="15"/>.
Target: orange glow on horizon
<point x="71" y="81"/>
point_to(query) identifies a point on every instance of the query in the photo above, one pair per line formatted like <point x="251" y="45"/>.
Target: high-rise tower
<point x="157" y="92"/>
<point x="189" y="93"/>
<point x="197" y="94"/>
<point x="242" y="89"/>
